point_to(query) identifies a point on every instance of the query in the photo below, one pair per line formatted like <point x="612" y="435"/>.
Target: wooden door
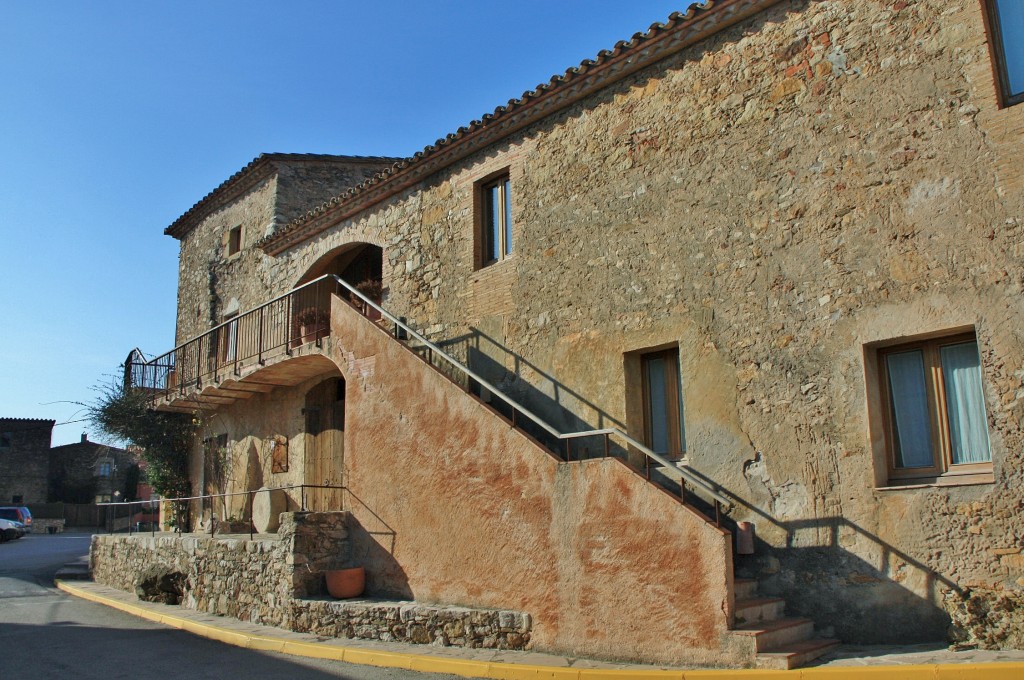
<point x="325" y="444"/>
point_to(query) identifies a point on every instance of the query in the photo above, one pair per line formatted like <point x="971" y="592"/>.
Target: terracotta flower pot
<point x="345" y="583"/>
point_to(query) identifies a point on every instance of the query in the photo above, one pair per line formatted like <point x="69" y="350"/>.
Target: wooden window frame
<point x="677" y="438"/>
<point x="942" y="465"/>
<point x="997" y="52"/>
<point x="234" y="241"/>
<point x="485" y="219"/>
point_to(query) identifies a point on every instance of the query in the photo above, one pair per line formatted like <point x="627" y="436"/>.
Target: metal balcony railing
<point x="299" y="316"/>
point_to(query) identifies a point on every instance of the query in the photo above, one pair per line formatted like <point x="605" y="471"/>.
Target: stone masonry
<point x="24" y="460"/>
<point x="251" y="580"/>
<point x="277" y="580"/>
<point x="775" y="201"/>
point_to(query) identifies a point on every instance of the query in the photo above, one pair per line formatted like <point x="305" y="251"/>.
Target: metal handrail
<point x="251" y="494"/>
<point x="687" y="477"/>
<point x="540" y="422"/>
<point x="253" y="333"/>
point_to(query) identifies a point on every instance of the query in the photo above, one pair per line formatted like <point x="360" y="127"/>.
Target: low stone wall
<point x="274" y="579"/>
<point x="42" y="526"/>
<point x="249" y="579"/>
<point x="414" y="623"/>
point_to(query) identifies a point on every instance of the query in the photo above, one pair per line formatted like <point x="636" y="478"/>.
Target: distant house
<point x="766" y="257"/>
<point x="88" y="472"/>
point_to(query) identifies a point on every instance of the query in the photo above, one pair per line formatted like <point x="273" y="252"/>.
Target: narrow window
<point x="1005" y="20"/>
<point x="935" y="408"/>
<point x="5" y="440"/>
<point x="234" y="240"/>
<point x="663" y="403"/>
<point x="495" y="237"/>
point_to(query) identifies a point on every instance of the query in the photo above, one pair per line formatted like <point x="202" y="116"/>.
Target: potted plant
<point x="312" y="322"/>
<point x="373" y="290"/>
<point x="345" y="583"/>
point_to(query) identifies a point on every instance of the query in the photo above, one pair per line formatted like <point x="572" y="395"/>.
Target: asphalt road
<point x="46" y="634"/>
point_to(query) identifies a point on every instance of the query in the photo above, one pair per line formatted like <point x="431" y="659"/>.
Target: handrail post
<point x="288" y="323"/>
<point x="252" y="521"/>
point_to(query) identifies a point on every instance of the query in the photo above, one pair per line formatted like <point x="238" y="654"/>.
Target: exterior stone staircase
<point x="779" y="642"/>
<point x="775" y="642"/>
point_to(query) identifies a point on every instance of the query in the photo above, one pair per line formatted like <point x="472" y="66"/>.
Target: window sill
<point x="973" y="479"/>
<point x="495" y="265"/>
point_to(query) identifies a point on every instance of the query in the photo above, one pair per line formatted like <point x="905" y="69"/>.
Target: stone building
<point x="89" y="472"/>
<point x="773" y="249"/>
<point x="24" y="459"/>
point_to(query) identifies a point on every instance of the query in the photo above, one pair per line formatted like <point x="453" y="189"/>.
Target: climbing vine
<point x="164" y="439"/>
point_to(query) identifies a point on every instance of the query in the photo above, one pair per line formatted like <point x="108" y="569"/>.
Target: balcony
<point x="281" y="342"/>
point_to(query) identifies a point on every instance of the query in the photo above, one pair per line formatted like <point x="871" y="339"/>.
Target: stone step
<point x="759" y="609"/>
<point x="777" y="634"/>
<point x="794" y="654"/>
<point x="73" y="571"/>
<point x="744" y="588"/>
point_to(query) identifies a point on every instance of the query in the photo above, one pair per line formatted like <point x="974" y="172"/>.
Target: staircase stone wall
<point x="252" y="580"/>
<point x="455" y="506"/>
<point x="825" y="176"/>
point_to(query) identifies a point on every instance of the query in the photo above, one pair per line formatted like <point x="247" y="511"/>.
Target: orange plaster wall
<point x="459" y="508"/>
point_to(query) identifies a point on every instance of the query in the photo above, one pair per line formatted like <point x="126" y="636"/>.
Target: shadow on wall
<point x="372" y="545"/>
<point x="550" y="399"/>
<point x="860" y="601"/>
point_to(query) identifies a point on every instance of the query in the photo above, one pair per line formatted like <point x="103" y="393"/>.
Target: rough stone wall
<point x="211" y="283"/>
<point x="277" y="580"/>
<point x="24" y="463"/>
<point x="414" y="623"/>
<point x="606" y="563"/>
<point x="304" y="186"/>
<point x="251" y="580"/>
<point x="824" y="176"/>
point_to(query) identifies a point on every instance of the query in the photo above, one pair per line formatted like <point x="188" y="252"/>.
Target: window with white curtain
<point x="935" y="408"/>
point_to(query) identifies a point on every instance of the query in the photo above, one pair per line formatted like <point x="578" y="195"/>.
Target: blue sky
<point x="117" y="116"/>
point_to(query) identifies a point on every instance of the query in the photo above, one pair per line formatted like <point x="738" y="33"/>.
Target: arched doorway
<point x="324" y="418"/>
<point x="359" y="264"/>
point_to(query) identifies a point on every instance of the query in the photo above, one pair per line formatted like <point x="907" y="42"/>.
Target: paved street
<point x="46" y="634"/>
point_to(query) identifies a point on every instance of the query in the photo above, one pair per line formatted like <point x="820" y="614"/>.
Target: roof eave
<point x="701" y="21"/>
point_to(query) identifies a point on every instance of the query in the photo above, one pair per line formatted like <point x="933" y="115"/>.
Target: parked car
<point x="10" y="530"/>
<point x="17" y="513"/>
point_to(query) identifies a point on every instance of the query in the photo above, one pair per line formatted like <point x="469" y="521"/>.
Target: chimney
<point x="85" y="437"/>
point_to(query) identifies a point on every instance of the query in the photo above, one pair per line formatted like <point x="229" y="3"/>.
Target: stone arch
<point x="358" y="263"/>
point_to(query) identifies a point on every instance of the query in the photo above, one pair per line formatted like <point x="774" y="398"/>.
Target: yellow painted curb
<point x="512" y="671"/>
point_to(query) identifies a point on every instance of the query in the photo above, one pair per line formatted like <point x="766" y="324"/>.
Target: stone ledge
<point x="412" y="622"/>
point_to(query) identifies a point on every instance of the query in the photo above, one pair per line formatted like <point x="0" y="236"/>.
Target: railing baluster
<point x="259" y="338"/>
